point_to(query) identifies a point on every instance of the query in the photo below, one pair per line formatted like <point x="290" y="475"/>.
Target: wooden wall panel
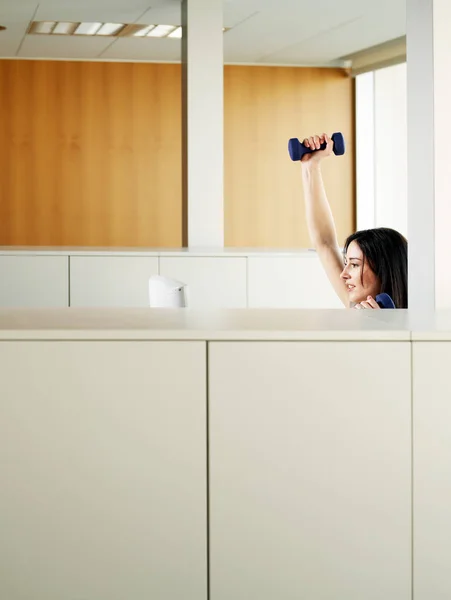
<point x="90" y="154"/>
<point x="264" y="107"/>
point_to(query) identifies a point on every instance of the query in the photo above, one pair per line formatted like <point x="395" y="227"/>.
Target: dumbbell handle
<point x="297" y="149"/>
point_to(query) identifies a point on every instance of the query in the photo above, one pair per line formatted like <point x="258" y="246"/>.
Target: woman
<point x="375" y="260"/>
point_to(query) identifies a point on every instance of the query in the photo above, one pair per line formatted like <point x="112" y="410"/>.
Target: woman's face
<point x="358" y="276"/>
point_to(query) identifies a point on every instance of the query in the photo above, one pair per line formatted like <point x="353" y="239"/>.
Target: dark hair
<point x="386" y="252"/>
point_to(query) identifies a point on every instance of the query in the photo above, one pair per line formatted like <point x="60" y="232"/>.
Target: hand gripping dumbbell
<point x="297" y="149"/>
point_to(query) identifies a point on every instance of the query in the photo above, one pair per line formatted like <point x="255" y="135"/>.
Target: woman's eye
<point x="354" y="265"/>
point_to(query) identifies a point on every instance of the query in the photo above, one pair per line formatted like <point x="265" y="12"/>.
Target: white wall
<point x="381" y="131"/>
<point x="365" y="165"/>
<point x="390" y="125"/>
<point x="223" y="279"/>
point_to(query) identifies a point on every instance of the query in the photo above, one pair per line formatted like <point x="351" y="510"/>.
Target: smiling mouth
<point x="350" y="287"/>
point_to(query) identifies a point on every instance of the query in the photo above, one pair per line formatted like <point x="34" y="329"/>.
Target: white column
<point x="442" y="124"/>
<point x="203" y="118"/>
<point x="429" y="152"/>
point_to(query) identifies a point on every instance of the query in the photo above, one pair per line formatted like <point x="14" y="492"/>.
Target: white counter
<point x="222" y="324"/>
<point x="272" y="453"/>
<point x="205" y="325"/>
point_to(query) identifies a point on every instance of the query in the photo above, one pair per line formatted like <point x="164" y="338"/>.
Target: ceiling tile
<point x="371" y="29"/>
<point x="111" y="11"/>
<point x="16" y="19"/>
<point x="148" y="49"/>
<point x="18" y="13"/>
<point x="11" y="39"/>
<point x="170" y="14"/>
<point x="47" y="46"/>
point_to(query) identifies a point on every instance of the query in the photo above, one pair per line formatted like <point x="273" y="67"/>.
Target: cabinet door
<point x="111" y="281"/>
<point x="310" y="470"/>
<point x="103" y="471"/>
<point x="432" y="470"/>
<point x="31" y="281"/>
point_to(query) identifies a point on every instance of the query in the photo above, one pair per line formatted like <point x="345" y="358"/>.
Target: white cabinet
<point x="289" y="282"/>
<point x="103" y="470"/>
<point x="213" y="282"/>
<point x="310" y="470"/>
<point x="111" y="281"/>
<point x="33" y="281"/>
<point x="432" y="469"/>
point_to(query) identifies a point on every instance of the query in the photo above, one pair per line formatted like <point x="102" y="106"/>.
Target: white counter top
<point x="96" y="251"/>
<point x="222" y="324"/>
<point x="190" y="324"/>
<point x="436" y="327"/>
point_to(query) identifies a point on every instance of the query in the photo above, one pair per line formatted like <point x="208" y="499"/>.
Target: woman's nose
<point x="345" y="274"/>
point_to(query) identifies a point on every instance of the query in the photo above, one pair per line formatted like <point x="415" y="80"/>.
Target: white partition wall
<point x="289" y="282"/>
<point x="213" y="282"/>
<point x="120" y="279"/>
<point x="111" y="280"/>
<point x="34" y="281"/>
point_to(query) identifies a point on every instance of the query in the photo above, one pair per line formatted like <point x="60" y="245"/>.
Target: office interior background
<point x="91" y="146"/>
<point x="219" y="454"/>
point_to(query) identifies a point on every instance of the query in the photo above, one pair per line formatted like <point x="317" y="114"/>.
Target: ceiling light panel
<point x="161" y="31"/>
<point x="64" y="28"/>
<point x="142" y="31"/>
<point x="177" y="33"/>
<point x="88" y="28"/>
<point x="107" y="29"/>
<point x="110" y="29"/>
<point x="43" y="27"/>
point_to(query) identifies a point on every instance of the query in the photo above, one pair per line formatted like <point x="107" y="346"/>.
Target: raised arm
<point x="320" y="221"/>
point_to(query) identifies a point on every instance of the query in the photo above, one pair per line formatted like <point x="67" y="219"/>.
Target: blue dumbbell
<point x="297" y="150"/>
<point x="385" y="301"/>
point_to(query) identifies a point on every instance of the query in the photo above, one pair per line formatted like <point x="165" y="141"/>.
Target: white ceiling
<point x="291" y="32"/>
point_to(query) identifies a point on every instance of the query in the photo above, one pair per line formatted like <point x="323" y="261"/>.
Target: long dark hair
<point x="386" y="252"/>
